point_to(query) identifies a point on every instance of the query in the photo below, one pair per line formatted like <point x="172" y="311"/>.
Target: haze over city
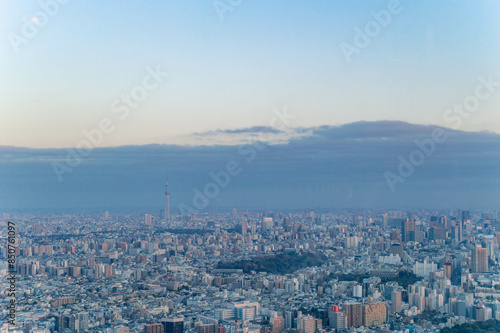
<point x="249" y="166"/>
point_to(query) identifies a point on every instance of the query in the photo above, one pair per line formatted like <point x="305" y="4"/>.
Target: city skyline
<point x="249" y="166"/>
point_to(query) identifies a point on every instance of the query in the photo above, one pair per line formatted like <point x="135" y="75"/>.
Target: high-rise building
<point x="27" y="327"/>
<point x="396" y="301"/>
<point x="278" y="324"/>
<point x="153" y="328"/>
<point x="448" y="269"/>
<point x="465" y="217"/>
<point x="479" y="260"/>
<point x="206" y="328"/>
<point x="457" y="232"/>
<point x="71" y="323"/>
<point x="306" y="324"/>
<point x="290" y="319"/>
<point x="83" y="320"/>
<point x="437" y="233"/>
<point x="148" y="219"/>
<point x="443" y="222"/>
<point x="173" y="325"/>
<point x="374" y="314"/>
<point x="396" y="248"/>
<point x="244" y="226"/>
<point x="354" y="314"/>
<point x="59" y="327"/>
<point x="267" y="224"/>
<point x="408" y="229"/>
<point x="108" y="271"/>
<point x="482" y="313"/>
<point x="337" y="319"/>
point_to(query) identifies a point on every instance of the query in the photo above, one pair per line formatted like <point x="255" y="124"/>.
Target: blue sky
<point x="231" y="73"/>
<point x="176" y="86"/>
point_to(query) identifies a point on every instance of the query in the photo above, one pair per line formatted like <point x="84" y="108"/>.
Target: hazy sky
<point x="330" y="167"/>
<point x="230" y="70"/>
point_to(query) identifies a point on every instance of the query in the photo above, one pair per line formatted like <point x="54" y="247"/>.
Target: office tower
<point x="479" y="260"/>
<point x="457" y="233"/>
<point x="71" y="323"/>
<point x="338" y="320"/>
<point x="357" y="291"/>
<point x="408" y="229"/>
<point x="267" y="224"/>
<point x="148" y="219"/>
<point x="437" y="233"/>
<point x="28" y="326"/>
<point x="385" y="220"/>
<point x="448" y="269"/>
<point x="461" y="308"/>
<point x="206" y="328"/>
<point x="173" y="325"/>
<point x="167" y="202"/>
<point x="59" y="327"/>
<point x="234" y="212"/>
<point x="245" y="310"/>
<point x="443" y="222"/>
<point x="306" y="324"/>
<point x="482" y="313"/>
<point x="244" y="226"/>
<point x="465" y="217"/>
<point x="354" y="314"/>
<point x="396" y="236"/>
<point x="108" y="271"/>
<point x="83" y="319"/>
<point x="153" y="328"/>
<point x="290" y="319"/>
<point x="396" y="301"/>
<point x="278" y="324"/>
<point x="374" y="314"/>
<point x="396" y="248"/>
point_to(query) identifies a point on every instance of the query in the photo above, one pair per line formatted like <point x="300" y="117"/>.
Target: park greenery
<point x="283" y="263"/>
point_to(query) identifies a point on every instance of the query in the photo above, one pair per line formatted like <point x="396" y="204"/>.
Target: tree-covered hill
<point x="491" y="325"/>
<point x="283" y="263"/>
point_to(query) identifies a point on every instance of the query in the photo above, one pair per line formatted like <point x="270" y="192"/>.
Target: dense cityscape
<point x="334" y="166"/>
<point x="253" y="272"/>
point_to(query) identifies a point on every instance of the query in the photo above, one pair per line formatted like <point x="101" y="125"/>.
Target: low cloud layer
<point x="330" y="167"/>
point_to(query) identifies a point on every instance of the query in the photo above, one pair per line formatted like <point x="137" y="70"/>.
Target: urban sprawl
<point x="251" y="272"/>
